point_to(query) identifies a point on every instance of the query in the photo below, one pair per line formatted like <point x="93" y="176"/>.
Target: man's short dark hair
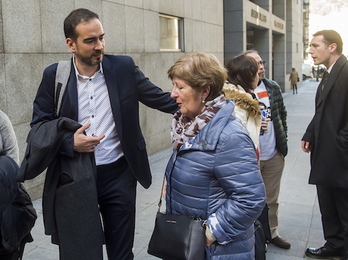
<point x="331" y="36"/>
<point x="76" y="17"/>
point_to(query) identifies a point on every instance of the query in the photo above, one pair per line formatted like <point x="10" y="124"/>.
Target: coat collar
<point x="335" y="71"/>
<point x="242" y="99"/>
<point x="208" y="137"/>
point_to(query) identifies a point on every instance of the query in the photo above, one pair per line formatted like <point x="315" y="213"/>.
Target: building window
<point x="171" y="33"/>
<point x="250" y="40"/>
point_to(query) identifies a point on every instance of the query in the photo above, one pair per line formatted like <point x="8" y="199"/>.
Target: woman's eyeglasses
<point x="263" y="63"/>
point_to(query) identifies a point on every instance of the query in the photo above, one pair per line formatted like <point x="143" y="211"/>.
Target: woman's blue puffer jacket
<point x="215" y="176"/>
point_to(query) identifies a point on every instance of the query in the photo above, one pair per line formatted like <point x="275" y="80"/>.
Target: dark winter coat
<point x="70" y="202"/>
<point x="17" y="214"/>
<point x="328" y="130"/>
<point x="279" y="114"/>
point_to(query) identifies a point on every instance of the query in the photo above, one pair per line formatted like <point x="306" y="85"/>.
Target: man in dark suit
<point x="326" y="138"/>
<point x="103" y="94"/>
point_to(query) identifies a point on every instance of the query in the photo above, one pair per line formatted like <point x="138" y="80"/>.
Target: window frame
<point x="180" y="33"/>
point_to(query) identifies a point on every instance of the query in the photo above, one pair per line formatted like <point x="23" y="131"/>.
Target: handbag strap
<point x="160" y="199"/>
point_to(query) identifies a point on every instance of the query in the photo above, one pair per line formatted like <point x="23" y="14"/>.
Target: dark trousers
<point x="333" y="203"/>
<point x="294" y="89"/>
<point x="116" y="187"/>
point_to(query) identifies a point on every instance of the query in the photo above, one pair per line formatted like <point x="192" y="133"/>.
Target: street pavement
<point x="299" y="217"/>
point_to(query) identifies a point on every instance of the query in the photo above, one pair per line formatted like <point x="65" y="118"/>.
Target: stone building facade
<point x="272" y="27"/>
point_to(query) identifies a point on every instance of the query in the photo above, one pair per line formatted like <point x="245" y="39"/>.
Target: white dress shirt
<point x="94" y="107"/>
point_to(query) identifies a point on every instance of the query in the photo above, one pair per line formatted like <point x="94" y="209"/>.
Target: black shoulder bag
<point x="177" y="237"/>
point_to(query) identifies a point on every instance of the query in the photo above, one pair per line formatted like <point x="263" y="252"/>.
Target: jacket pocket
<point x="64" y="178"/>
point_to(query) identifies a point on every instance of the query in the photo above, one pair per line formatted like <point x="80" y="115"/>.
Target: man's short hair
<point x="76" y="17"/>
<point x="249" y="51"/>
<point x="331" y="36"/>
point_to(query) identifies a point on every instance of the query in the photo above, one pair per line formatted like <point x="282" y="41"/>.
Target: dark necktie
<point x="323" y="82"/>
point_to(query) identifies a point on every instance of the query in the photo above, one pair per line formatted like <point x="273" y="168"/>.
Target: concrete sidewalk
<point x="299" y="215"/>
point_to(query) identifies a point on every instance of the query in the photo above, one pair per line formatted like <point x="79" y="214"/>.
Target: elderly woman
<point x="242" y="79"/>
<point x="213" y="173"/>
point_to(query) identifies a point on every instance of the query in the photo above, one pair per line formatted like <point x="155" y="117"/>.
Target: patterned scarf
<point x="183" y="128"/>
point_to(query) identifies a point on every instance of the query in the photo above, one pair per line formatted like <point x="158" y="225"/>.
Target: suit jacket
<point x="328" y="130"/>
<point x="127" y="85"/>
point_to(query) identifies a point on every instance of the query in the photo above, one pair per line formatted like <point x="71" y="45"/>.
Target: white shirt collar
<point x="329" y="69"/>
<point x="83" y="76"/>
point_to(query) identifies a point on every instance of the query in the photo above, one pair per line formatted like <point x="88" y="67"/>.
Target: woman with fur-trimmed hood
<point x="242" y="80"/>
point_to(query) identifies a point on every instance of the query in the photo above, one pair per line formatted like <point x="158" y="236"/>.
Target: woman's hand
<point x="208" y="242"/>
<point x="209" y="237"/>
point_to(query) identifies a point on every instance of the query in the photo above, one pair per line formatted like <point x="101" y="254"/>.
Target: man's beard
<point x="89" y="60"/>
<point x="262" y="75"/>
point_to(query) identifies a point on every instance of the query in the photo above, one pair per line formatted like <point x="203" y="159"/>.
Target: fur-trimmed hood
<point x="247" y="110"/>
<point x="242" y="99"/>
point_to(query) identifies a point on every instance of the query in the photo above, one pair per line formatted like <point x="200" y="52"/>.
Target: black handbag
<point x="177" y="237"/>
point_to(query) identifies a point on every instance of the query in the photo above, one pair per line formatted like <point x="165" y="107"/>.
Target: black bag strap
<point x="160" y="199"/>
